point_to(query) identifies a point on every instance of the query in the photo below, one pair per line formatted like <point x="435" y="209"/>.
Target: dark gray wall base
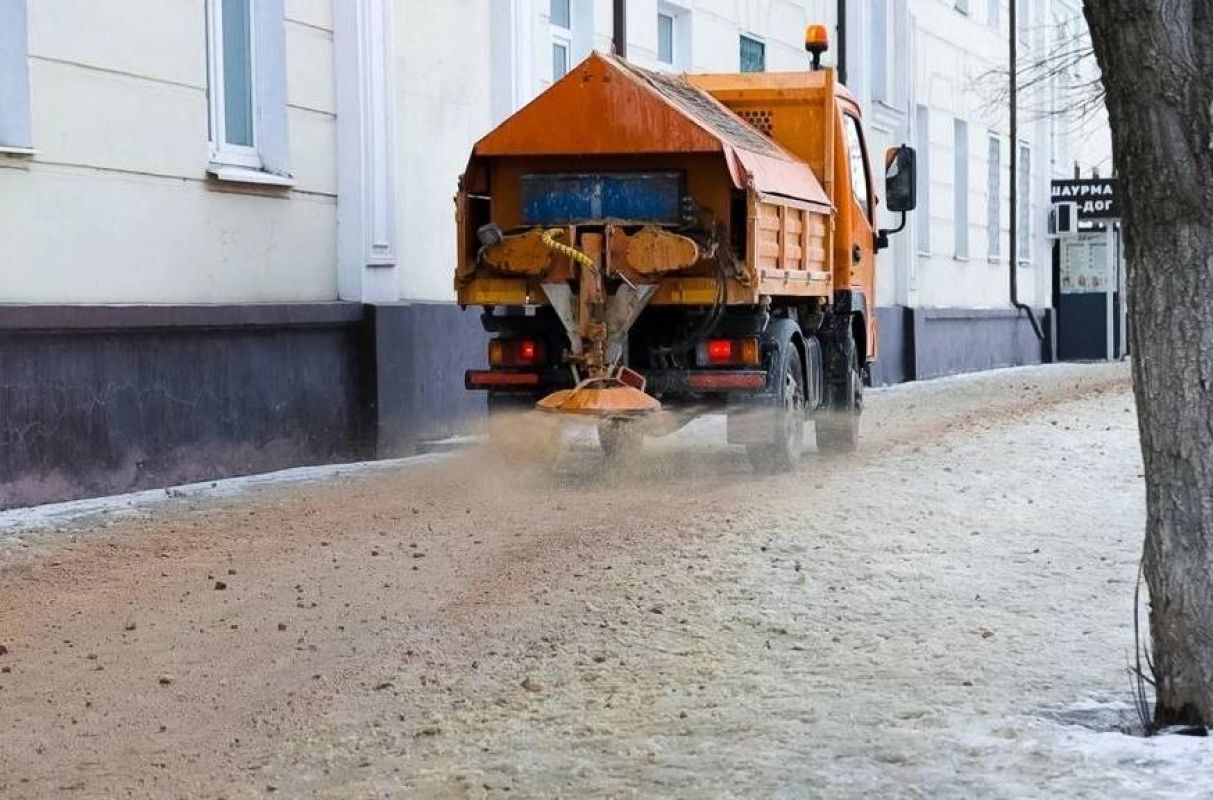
<point x="421" y="353"/>
<point x="105" y="399"/>
<point x="99" y="400"/>
<point x="894" y="358"/>
<point x="920" y="343"/>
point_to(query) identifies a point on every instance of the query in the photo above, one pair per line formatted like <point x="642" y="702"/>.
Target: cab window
<point x="857" y="153"/>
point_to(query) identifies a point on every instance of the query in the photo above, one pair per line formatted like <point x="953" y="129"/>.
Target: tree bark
<point x="1157" y="62"/>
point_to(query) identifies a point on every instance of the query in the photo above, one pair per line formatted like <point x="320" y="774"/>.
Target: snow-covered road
<point x="927" y="618"/>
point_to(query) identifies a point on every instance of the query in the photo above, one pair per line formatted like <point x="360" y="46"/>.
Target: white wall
<point x="444" y="81"/>
<point x="957" y="65"/>
<point x="116" y="207"/>
<point x="952" y="62"/>
<point x="449" y="96"/>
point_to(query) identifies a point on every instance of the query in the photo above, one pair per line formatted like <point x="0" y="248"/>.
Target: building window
<point x="753" y="55"/>
<point x="1023" y="21"/>
<point x="922" y="214"/>
<point x="247" y="86"/>
<point x="880" y="54"/>
<point x="673" y="36"/>
<point x="961" y="187"/>
<point x="233" y="127"/>
<point x="1023" y="247"/>
<point x="994" y="199"/>
<point x="994" y="13"/>
<point x="561" y="17"/>
<point x="665" y="38"/>
<point x="14" y="77"/>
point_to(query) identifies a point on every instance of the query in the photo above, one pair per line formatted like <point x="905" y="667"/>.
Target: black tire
<point x="784" y="451"/>
<point x="837" y="424"/>
<point x="620" y="439"/>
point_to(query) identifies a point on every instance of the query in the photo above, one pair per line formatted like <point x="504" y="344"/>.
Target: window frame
<point x="663" y="13"/>
<point x="922" y="135"/>
<point x="223" y="152"/>
<point x="562" y="36"/>
<point x="15" y="132"/>
<point x="880" y="63"/>
<point x="762" y="45"/>
<point x="960" y="189"/>
<point x="1023" y="244"/>
<point x="993" y="197"/>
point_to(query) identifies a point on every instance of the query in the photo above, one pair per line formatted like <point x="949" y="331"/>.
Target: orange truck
<point x="649" y="247"/>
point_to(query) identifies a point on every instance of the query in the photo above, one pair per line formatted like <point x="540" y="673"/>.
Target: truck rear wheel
<point x="837" y="424"/>
<point x="784" y="451"/>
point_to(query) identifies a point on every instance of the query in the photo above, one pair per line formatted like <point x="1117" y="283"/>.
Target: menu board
<point x="1084" y="265"/>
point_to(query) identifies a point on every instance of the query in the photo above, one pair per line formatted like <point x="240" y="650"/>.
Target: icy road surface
<point x="926" y="618"/>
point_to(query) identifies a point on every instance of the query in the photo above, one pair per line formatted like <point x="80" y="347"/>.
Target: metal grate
<point x="760" y="119"/>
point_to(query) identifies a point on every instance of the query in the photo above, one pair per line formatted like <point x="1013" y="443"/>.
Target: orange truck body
<point x="641" y="240"/>
<point x="779" y="138"/>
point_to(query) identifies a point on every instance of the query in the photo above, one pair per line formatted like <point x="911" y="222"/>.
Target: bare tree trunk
<point x="1157" y="63"/>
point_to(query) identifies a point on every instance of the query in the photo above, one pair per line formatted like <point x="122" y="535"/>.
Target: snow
<point x="946" y="614"/>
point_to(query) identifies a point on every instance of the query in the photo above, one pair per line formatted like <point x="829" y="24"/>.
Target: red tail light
<point x="516" y="353"/>
<point x="720" y="351"/>
<point x="727" y="352"/>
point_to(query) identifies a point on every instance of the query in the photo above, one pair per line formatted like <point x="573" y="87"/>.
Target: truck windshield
<point x="859" y="164"/>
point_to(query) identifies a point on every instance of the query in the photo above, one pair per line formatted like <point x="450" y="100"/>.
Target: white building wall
<point x="956" y="61"/>
<point x="445" y="83"/>
<point x="450" y="96"/>
<point x="117" y="206"/>
<point x="932" y="54"/>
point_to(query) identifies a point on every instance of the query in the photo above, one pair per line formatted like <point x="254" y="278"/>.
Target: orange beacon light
<point x="816" y="41"/>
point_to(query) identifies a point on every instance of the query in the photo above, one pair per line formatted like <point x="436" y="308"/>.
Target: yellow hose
<point x="549" y="238"/>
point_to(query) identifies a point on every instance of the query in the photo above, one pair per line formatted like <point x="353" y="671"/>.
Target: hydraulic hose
<point x="549" y="239"/>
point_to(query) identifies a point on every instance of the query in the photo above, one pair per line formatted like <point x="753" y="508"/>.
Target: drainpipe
<point x="1014" y="254"/>
<point x="619" y="21"/>
<point x="842" y="42"/>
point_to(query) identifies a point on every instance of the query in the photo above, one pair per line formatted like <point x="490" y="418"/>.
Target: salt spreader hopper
<point x="698" y="243"/>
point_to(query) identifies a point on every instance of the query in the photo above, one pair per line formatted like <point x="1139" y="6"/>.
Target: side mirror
<point x="900" y="179"/>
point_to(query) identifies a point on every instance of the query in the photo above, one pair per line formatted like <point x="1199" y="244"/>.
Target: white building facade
<point x="229" y="235"/>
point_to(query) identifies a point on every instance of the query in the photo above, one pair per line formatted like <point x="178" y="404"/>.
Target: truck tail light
<point x="516" y="353"/>
<point x="727" y="353"/>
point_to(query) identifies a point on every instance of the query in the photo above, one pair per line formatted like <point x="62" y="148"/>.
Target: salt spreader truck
<point x="648" y="247"/>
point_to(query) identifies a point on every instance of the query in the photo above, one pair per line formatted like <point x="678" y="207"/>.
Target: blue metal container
<point x="572" y="198"/>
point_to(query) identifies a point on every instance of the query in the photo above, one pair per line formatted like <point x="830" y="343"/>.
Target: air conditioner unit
<point x="1063" y="220"/>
